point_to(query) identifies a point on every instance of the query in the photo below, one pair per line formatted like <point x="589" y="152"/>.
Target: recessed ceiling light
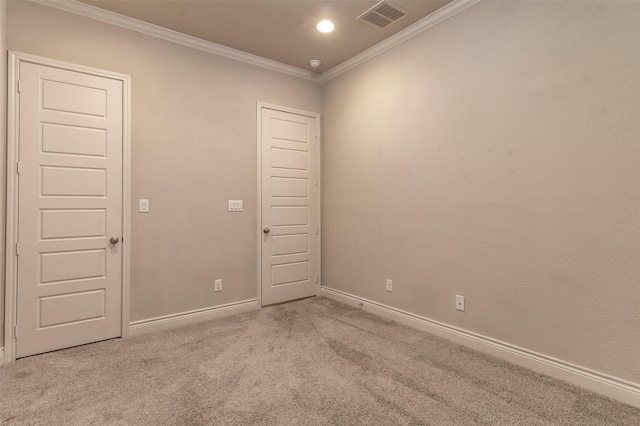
<point x="325" y="26"/>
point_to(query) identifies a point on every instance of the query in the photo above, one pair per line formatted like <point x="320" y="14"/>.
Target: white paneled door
<point x="289" y="206"/>
<point x="70" y="210"/>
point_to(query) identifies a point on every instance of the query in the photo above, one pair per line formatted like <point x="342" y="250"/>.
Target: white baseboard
<point x="606" y="385"/>
<point x="136" y="328"/>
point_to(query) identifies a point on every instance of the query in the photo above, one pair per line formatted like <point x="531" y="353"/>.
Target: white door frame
<point x="13" y="124"/>
<point x="315" y="115"/>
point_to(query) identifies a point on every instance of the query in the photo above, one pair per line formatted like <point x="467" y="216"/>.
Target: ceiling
<point x="281" y="30"/>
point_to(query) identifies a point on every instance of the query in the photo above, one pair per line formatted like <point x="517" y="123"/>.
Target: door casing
<point x="260" y="106"/>
<point x="11" y="259"/>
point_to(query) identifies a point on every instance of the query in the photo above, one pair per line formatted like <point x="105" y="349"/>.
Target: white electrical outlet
<point x="389" y="285"/>
<point x="218" y="285"/>
<point x="460" y="303"/>
<point x="143" y="206"/>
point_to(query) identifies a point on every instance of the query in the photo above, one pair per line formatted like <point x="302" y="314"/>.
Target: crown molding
<point x="400" y="37"/>
<point x="113" y="18"/>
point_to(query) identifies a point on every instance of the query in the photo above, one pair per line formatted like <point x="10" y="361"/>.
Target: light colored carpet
<point x="311" y="362"/>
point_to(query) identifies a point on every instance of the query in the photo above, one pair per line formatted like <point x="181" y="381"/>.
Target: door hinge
<point x="17" y="249"/>
<point x="18" y="167"/>
<point x="15" y="331"/>
<point x="19" y="86"/>
<point x="316" y="279"/>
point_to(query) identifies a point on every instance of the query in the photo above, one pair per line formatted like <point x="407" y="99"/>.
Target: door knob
<point x="266" y="230"/>
<point x="114" y="240"/>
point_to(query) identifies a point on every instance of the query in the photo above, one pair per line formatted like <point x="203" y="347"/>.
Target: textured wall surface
<point x="3" y="133"/>
<point x="193" y="148"/>
<point x="496" y="156"/>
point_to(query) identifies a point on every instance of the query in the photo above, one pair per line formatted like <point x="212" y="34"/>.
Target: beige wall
<point x="3" y="133"/>
<point x="496" y="156"/>
<point x="193" y="148"/>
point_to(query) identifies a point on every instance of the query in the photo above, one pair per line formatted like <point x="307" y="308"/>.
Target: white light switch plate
<point x="235" y="205"/>
<point x="143" y="206"/>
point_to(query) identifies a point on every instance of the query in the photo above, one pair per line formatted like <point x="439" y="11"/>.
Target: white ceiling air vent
<point x="383" y="14"/>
